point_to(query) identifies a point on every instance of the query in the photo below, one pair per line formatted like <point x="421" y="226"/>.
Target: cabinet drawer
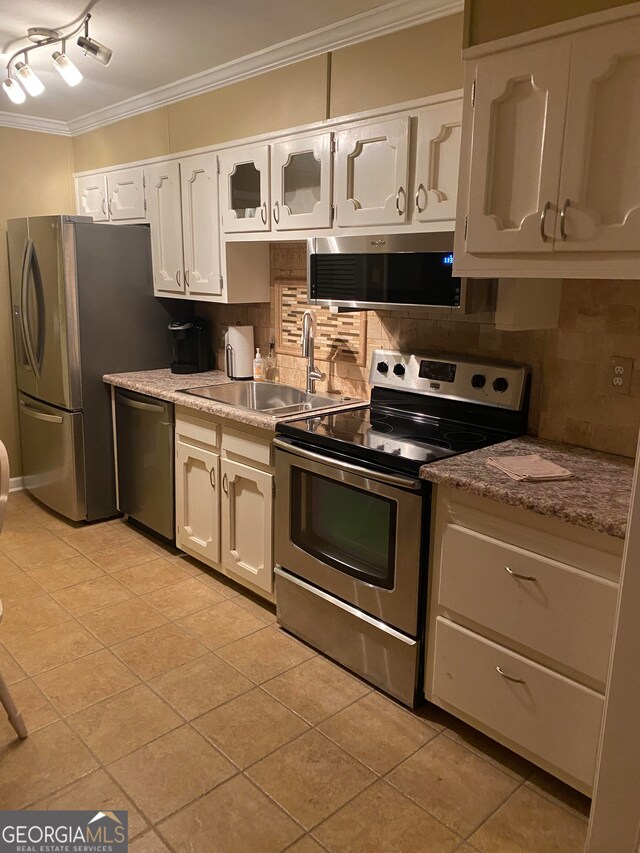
<point x="548" y="715"/>
<point x="560" y="612"/>
<point x="245" y="446"/>
<point x="197" y="431"/>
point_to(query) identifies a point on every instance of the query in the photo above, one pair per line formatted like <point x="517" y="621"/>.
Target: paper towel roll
<point x="239" y="352"/>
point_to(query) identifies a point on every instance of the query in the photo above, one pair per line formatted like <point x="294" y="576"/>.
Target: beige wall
<point x="570" y="399"/>
<point x="35" y="178"/>
<point x="289" y="96"/>
<point x="486" y="20"/>
<point x="135" y="138"/>
<point x="409" y="64"/>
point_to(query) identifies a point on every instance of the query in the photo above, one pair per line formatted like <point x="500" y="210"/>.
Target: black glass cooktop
<point x="390" y="438"/>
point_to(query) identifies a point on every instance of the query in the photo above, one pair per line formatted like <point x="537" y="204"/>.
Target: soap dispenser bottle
<point x="258" y="367"/>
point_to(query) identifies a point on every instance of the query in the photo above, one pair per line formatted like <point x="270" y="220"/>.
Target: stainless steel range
<point x="353" y="517"/>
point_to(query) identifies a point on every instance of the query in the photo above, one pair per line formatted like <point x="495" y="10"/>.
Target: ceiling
<point x="158" y="42"/>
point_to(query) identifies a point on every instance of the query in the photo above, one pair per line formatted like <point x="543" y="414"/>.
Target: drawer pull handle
<point x="510" y="677"/>
<point x="520" y="577"/>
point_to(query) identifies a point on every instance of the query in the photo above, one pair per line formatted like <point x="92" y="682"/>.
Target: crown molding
<point x="34" y="123"/>
<point x="398" y="15"/>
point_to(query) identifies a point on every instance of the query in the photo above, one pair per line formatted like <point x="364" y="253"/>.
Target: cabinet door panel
<point x="301" y="177"/>
<point x="92" y="197"/>
<point x="601" y="167"/>
<point x="244" y="189"/>
<point x="371" y="174"/>
<point x="247" y="521"/>
<point x="437" y="161"/>
<point x="163" y="202"/>
<point x="126" y="194"/>
<point x="198" y="501"/>
<point x="199" y="179"/>
<point x="518" y="126"/>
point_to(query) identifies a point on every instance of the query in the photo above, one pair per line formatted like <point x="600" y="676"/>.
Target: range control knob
<point x="382" y="367"/>
<point x="478" y="380"/>
<point x="399" y="369"/>
<point x="500" y="384"/>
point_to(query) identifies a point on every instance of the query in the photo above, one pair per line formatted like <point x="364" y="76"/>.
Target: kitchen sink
<point x="270" y="398"/>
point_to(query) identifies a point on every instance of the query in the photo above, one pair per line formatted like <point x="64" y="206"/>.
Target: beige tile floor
<point x="151" y="684"/>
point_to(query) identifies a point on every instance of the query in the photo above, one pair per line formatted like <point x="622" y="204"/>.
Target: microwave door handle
<point x="389" y="479"/>
<point x="24" y="307"/>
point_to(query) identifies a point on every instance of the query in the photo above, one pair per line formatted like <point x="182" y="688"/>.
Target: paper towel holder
<point x="231" y="361"/>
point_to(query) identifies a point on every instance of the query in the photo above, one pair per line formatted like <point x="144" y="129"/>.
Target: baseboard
<point x="16" y="484"/>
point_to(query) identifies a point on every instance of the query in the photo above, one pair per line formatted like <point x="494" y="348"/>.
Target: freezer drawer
<point x="145" y="449"/>
<point x="53" y="456"/>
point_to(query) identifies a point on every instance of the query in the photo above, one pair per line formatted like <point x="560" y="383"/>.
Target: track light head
<point x="29" y="79"/>
<point x="14" y="91"/>
<point x="94" y="49"/>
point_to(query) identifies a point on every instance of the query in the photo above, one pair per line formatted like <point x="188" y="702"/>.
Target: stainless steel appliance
<point x="352" y="515"/>
<point x="145" y="448"/>
<point x="392" y="271"/>
<point x="191" y="345"/>
<point x="83" y="305"/>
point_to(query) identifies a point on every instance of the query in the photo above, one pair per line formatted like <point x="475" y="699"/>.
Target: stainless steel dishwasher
<point x="145" y="449"/>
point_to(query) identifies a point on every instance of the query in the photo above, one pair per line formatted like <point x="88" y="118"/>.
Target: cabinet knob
<point x="263" y="212"/>
<point x="401" y="192"/>
<point x="276" y="212"/>
<point x="421" y="190"/>
<point x="186" y="277"/>
<point x="212" y="478"/>
<point x="178" y="278"/>
<point x="225" y="484"/>
<point x="103" y="206"/>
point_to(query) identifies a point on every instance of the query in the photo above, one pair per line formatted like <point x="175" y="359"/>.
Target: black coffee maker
<point x="191" y="345"/>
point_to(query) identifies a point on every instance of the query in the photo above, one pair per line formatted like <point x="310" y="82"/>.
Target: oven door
<point x="350" y="531"/>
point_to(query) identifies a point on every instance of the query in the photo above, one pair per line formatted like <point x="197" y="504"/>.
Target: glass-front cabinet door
<point x="244" y="189"/>
<point x="301" y="176"/>
<point x="371" y="173"/>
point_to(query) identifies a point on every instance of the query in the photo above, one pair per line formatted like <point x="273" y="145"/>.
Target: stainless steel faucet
<point x="308" y="339"/>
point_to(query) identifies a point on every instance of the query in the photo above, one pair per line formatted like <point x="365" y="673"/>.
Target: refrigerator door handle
<point x="27" y="266"/>
<point x="40" y="416"/>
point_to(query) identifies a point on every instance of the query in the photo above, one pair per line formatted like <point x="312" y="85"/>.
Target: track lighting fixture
<point x="21" y="77"/>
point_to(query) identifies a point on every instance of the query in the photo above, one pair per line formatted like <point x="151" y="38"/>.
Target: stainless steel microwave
<point x="392" y="271"/>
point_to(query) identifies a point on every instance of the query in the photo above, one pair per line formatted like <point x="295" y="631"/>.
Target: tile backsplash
<point x="571" y="399"/>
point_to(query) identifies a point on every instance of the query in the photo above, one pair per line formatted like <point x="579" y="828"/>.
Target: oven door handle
<point x="390" y="479"/>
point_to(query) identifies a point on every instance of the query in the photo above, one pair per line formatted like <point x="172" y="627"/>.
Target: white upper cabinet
<point x="199" y="189"/>
<point x="244" y="189"/>
<point x="600" y="184"/>
<point x="117" y="196"/>
<point x="126" y="194"/>
<point x="163" y="203"/>
<point x="435" y="186"/>
<point x="550" y="180"/>
<point x="183" y="214"/>
<point x="301" y="171"/>
<point x="518" y="126"/>
<point x="371" y="166"/>
<point x="92" y="197"/>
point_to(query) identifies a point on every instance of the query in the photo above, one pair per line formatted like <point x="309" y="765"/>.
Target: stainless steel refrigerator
<point x="83" y="306"/>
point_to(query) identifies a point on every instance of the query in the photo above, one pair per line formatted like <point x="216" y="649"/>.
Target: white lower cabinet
<point x="520" y="624"/>
<point x="247" y="512"/>
<point x="198" y="501"/>
<point x="224" y="498"/>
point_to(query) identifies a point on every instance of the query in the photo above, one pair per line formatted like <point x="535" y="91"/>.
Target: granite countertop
<point x="166" y="386"/>
<point x="598" y="497"/>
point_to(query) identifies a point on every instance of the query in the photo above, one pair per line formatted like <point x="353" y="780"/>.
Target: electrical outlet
<point x="619" y="374"/>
